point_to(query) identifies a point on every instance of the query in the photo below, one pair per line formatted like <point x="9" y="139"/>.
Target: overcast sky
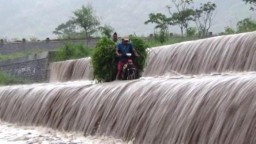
<point x="38" y="18"/>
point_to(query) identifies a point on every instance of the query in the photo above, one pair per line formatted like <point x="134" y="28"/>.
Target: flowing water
<point x="79" y="69"/>
<point x="209" y="97"/>
<point x="15" y="134"/>
<point x="232" y="53"/>
<point x="205" y="109"/>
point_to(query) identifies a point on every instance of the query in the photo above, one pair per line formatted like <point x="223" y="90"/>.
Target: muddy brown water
<point x="210" y="109"/>
<point x="189" y="108"/>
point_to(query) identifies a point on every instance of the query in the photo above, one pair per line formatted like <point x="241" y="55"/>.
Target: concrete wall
<point x="33" y="67"/>
<point x="8" y="48"/>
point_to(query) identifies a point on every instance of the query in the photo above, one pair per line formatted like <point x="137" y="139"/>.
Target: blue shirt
<point x="124" y="49"/>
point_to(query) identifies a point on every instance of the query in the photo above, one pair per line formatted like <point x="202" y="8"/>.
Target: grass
<point x="18" y="55"/>
<point x="154" y="43"/>
<point x="72" y="51"/>
<point x="7" y="79"/>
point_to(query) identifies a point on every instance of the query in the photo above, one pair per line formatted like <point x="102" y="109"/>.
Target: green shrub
<point x="104" y="58"/>
<point x="6" y="79"/>
<point x="161" y="36"/>
<point x="191" y="31"/>
<point x="173" y="40"/>
<point x="140" y="46"/>
<point x="72" y="51"/>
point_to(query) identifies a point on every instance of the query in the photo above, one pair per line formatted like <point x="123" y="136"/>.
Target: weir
<point x="189" y="108"/>
<point x="208" y="109"/>
<point x="232" y="53"/>
<point x="71" y="70"/>
<point x="222" y="54"/>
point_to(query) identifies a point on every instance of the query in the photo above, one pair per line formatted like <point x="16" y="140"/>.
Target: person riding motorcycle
<point x="122" y="50"/>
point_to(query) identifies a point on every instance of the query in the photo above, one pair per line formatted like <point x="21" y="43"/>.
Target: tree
<point x="162" y="36"/>
<point x="159" y="19"/>
<point x="203" y="18"/>
<point x="252" y="2"/>
<point x="191" y="31"/>
<point x="67" y="30"/>
<point x="161" y="22"/>
<point x="86" y="19"/>
<point x="228" y="30"/>
<point x="182" y="19"/>
<point x="183" y="15"/>
<point x="84" y="23"/>
<point x="106" y="30"/>
<point x="246" y="25"/>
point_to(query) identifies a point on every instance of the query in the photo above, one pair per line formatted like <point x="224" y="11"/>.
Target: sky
<point x="38" y="18"/>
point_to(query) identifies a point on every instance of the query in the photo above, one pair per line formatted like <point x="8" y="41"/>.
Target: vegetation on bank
<point x="7" y="79"/>
<point x="4" y="57"/>
<point x="152" y="42"/>
<point x="245" y="25"/>
<point x="72" y="51"/>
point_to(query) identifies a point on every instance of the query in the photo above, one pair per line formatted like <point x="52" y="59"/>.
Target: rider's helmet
<point x="125" y="39"/>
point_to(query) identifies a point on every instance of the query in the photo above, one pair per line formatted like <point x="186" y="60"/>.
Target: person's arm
<point x="117" y="53"/>
<point x="134" y="51"/>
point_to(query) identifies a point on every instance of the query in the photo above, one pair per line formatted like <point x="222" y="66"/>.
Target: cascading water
<point x="190" y="108"/>
<point x="80" y="69"/>
<point x="210" y="109"/>
<point x="232" y="53"/>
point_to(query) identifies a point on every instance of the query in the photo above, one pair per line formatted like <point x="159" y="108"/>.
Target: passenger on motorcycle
<point x="122" y="51"/>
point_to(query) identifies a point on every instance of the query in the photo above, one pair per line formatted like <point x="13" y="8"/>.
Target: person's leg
<point x="119" y="69"/>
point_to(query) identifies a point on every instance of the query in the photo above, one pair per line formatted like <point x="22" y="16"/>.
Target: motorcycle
<point x="129" y="69"/>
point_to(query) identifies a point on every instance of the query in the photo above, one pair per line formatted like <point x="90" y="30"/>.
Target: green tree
<point x="84" y="22"/>
<point x="203" y="18"/>
<point x="183" y="15"/>
<point x="162" y="36"/>
<point x="228" y="30"/>
<point x="106" y="30"/>
<point x="67" y="30"/>
<point x="86" y="19"/>
<point x="252" y="2"/>
<point x="246" y="25"/>
<point x="191" y="31"/>
<point x="161" y="22"/>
